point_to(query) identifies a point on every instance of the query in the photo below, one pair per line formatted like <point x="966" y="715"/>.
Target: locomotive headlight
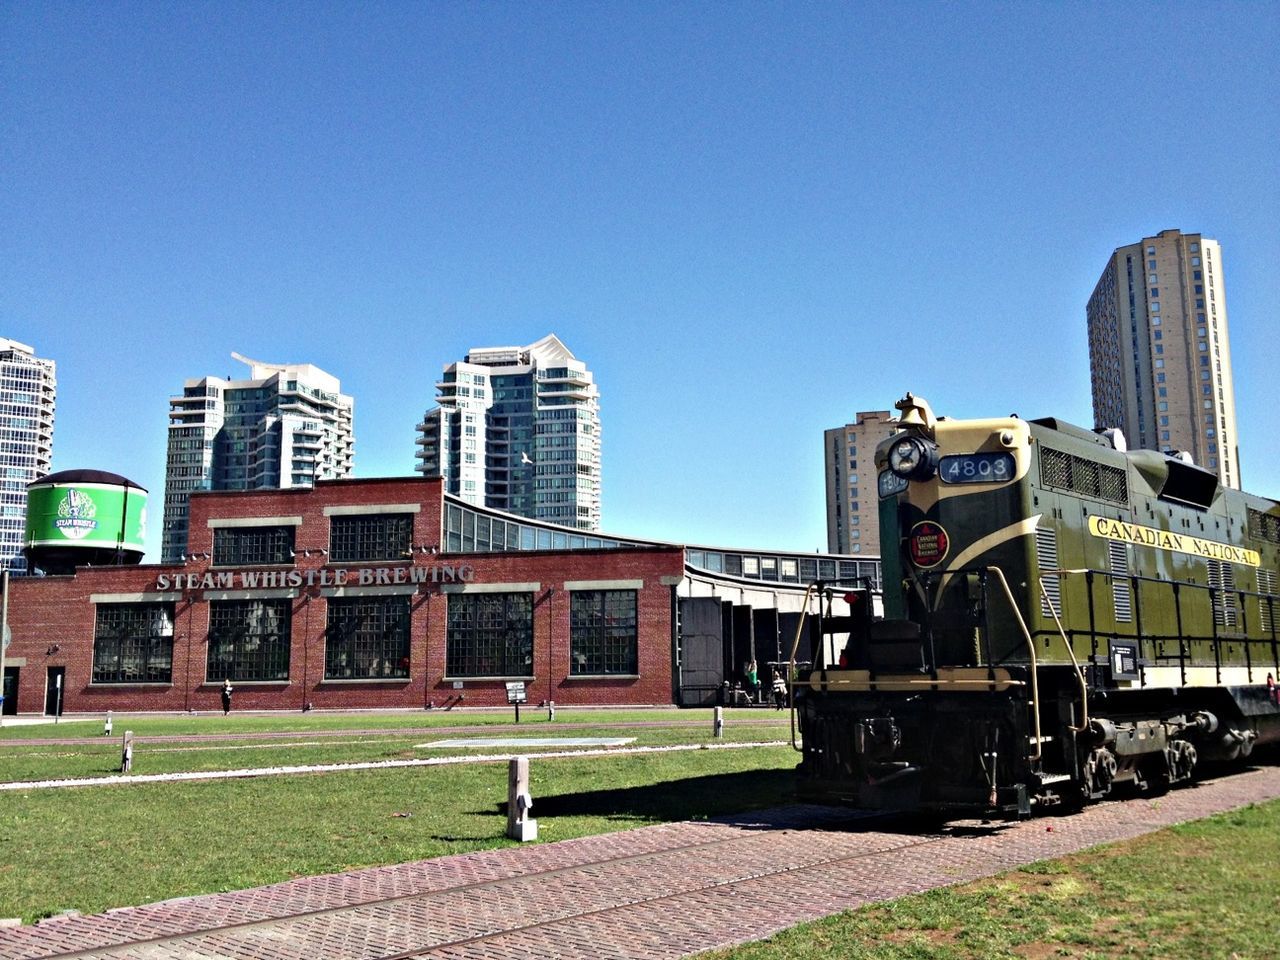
<point x="913" y="458"/>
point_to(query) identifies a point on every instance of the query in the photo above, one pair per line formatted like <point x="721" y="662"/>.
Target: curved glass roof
<point x="467" y="528"/>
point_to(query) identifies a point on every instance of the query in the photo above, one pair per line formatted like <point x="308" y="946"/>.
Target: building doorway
<point x="10" y="692"/>
<point x="53" y="691"/>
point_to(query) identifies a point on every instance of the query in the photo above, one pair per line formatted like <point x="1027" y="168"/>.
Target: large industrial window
<point x="133" y="643"/>
<point x="367" y="638"/>
<point x="362" y="538"/>
<point x="248" y="640"/>
<point x="602" y="632"/>
<point x="490" y="635"/>
<point x="244" y="546"/>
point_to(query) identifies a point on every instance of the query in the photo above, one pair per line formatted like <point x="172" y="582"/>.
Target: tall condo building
<point x="287" y="425"/>
<point x="28" y="391"/>
<point x="852" y="504"/>
<point x="1159" y="356"/>
<point x="518" y="429"/>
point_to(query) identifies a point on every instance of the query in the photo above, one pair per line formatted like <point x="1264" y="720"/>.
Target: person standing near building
<point x="226" y="697"/>
<point x="753" y="680"/>
<point x="779" y="690"/>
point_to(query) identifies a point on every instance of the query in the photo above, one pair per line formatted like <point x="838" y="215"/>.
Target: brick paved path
<point x="656" y="892"/>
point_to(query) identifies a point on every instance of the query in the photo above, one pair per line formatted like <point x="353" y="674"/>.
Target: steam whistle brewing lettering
<point x="929" y="544"/>
<point x="339" y="577"/>
<point x="436" y="573"/>
<point x="1110" y="529"/>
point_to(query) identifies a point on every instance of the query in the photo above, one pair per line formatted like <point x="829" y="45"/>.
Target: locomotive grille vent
<point x="1118" y="555"/>
<point x="1047" y="558"/>
<point x="1222" y="578"/>
<point x="1087" y="477"/>
<point x="1263" y="526"/>
<point x="1267" y="585"/>
<point x="1055" y="468"/>
<point x="1115" y="485"/>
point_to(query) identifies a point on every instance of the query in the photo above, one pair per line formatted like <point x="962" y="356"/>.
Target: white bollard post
<point x="520" y="826"/>
<point x="717" y="725"/>
<point x="551" y="709"/>
<point x="106" y="727"/>
<point x="126" y="754"/>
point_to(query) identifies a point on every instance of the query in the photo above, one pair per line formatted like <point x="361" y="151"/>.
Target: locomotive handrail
<point x="1265" y="602"/>
<point x="1084" y="687"/>
<point x="890" y="681"/>
<point x="1031" y="649"/>
<point x="791" y="663"/>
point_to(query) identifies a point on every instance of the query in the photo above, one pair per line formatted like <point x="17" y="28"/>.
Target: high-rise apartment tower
<point x="1159" y="355"/>
<point x="28" y="391"/>
<point x="288" y="425"/>
<point x="852" y="504"/>
<point x="518" y="429"/>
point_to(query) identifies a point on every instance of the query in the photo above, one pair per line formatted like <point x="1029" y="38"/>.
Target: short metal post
<point x="520" y="826"/>
<point x="126" y="754"/>
<point x="551" y="709"/>
<point x="717" y="725"/>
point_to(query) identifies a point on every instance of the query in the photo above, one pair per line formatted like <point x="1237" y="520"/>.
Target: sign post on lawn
<point x="516" y="695"/>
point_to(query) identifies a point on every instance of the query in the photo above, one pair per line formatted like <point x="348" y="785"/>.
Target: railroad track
<point x="663" y="891"/>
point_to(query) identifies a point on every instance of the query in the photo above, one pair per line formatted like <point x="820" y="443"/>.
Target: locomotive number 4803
<point x="977" y="468"/>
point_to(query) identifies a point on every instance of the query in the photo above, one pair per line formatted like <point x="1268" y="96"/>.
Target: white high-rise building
<point x="518" y="429"/>
<point x="288" y="425"/>
<point x="28" y="391"/>
<point x="849" y="452"/>
<point x="1159" y="356"/>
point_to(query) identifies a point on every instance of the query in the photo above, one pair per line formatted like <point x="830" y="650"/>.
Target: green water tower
<point x="78" y="518"/>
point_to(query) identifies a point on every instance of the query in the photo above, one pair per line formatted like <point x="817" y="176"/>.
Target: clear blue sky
<point x="751" y="220"/>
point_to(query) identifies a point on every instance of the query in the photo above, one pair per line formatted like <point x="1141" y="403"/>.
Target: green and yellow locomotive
<point x="1060" y="616"/>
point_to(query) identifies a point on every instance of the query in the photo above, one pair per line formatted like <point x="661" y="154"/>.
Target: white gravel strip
<point x="121" y="779"/>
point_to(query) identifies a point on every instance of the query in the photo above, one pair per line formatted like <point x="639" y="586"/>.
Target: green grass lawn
<point x="284" y="741"/>
<point x="92" y="848"/>
<point x="1208" y="890"/>
<point x="152" y="725"/>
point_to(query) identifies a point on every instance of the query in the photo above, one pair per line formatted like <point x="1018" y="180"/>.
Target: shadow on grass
<point x="693" y="798"/>
<point x="750" y="800"/>
<point x="754" y="800"/>
<point x="766" y="800"/>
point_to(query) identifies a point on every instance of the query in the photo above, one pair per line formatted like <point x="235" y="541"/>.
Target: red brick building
<point x="391" y="594"/>
<point x="344" y="597"/>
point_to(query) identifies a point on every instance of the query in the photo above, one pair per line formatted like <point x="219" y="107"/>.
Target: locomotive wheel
<point x="1099" y="774"/>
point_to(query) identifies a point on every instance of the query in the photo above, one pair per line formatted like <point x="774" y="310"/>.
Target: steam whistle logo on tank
<point x="76" y="514"/>
<point x="928" y="543"/>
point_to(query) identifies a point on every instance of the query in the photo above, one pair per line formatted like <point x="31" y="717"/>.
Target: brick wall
<point x="52" y="618"/>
